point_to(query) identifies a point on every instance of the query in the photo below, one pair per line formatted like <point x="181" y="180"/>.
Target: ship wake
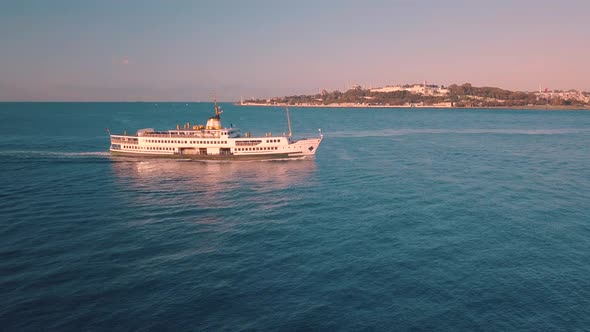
<point x="472" y="131"/>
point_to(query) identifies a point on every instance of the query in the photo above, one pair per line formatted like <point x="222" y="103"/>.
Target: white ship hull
<point x="212" y="142"/>
<point x="229" y="149"/>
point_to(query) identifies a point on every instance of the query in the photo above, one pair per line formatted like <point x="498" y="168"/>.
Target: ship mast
<point x="289" y="122"/>
<point x="217" y="108"/>
<point x="214" y="122"/>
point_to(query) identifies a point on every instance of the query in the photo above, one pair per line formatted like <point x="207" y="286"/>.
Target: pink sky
<point x="190" y="51"/>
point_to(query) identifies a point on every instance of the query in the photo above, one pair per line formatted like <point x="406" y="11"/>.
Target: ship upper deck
<point x="197" y="133"/>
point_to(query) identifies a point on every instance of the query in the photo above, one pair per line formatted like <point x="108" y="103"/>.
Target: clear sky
<point x="189" y="50"/>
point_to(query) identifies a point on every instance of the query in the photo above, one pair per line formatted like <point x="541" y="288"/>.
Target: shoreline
<point x="349" y="105"/>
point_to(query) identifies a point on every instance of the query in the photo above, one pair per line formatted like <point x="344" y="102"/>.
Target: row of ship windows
<point x="185" y="142"/>
<point x="272" y="141"/>
<point x="268" y="148"/>
<point x="134" y="147"/>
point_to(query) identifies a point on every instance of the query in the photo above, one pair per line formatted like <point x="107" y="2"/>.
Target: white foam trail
<point x="233" y="161"/>
<point x="56" y="154"/>
<point x="90" y="153"/>
<point x="473" y="131"/>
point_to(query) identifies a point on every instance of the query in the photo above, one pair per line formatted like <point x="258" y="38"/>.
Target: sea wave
<point x="473" y="131"/>
<point x="25" y="153"/>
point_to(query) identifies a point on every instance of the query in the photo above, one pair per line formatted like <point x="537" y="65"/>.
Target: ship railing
<point x="164" y="135"/>
<point x="126" y="140"/>
<point x="247" y="143"/>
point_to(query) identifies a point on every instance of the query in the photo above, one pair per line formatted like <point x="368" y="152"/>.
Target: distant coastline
<point x="349" y="105"/>
<point x="433" y="96"/>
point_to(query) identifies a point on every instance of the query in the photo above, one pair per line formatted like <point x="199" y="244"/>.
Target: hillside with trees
<point x="464" y="95"/>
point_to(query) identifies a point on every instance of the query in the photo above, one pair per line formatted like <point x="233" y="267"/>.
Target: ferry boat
<point x="213" y="142"/>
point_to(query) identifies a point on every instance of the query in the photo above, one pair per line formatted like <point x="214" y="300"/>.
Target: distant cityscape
<point x="430" y="95"/>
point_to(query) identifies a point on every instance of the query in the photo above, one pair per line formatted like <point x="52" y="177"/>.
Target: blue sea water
<point x="408" y="219"/>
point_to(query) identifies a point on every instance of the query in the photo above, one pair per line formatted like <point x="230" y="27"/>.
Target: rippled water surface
<point x="406" y="220"/>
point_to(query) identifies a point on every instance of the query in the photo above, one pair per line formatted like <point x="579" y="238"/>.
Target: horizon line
<point x="111" y="101"/>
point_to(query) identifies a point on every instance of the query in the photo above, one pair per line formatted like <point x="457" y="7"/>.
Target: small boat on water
<point x="213" y="142"/>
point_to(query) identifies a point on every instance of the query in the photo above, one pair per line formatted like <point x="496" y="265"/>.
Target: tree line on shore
<point x="464" y="95"/>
